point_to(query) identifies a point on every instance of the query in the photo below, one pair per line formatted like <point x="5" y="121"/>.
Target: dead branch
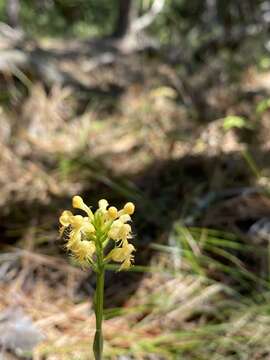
<point x="147" y="19"/>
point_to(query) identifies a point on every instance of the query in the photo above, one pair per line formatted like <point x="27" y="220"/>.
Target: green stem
<point x="99" y="299"/>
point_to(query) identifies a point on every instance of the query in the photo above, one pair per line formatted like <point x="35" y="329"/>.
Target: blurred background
<point x="165" y="103"/>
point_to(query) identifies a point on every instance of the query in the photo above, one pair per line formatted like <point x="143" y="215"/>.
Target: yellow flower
<point x="125" y="218"/>
<point x="84" y="250"/>
<point x="127" y="263"/>
<point x="76" y="221"/>
<point x="123" y="255"/>
<point x="129" y="208"/>
<point x="78" y="203"/>
<point x="103" y="204"/>
<point x="112" y="213"/>
<point x="120" y="254"/>
<point x="65" y="218"/>
<point x="74" y="240"/>
<point x="79" y="229"/>
<point x="119" y="230"/>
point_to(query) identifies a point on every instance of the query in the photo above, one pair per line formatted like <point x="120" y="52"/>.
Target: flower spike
<point x="84" y="235"/>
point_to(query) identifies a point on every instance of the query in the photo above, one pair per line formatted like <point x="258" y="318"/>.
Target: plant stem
<point x="99" y="296"/>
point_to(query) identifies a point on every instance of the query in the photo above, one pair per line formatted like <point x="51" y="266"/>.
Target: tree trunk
<point x="126" y="13"/>
<point x="13" y="13"/>
<point x="225" y="16"/>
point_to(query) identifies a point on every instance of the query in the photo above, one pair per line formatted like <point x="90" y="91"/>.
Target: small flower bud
<point x="129" y="208"/>
<point x="112" y="212"/>
<point x="103" y="204"/>
<point x="77" y="202"/>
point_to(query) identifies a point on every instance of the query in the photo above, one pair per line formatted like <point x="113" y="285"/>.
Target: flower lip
<point x="84" y="250"/>
<point x="125" y="218"/>
<point x="122" y="254"/>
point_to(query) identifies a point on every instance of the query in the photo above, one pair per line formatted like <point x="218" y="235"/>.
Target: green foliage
<point x="263" y="106"/>
<point x="233" y="121"/>
<point x="2" y="10"/>
<point x="224" y="322"/>
<point x="264" y="63"/>
<point x="65" y="17"/>
<point x="192" y="18"/>
<point x="207" y="251"/>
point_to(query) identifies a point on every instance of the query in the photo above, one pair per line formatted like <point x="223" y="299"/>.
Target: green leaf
<point x="233" y="121"/>
<point x="263" y="106"/>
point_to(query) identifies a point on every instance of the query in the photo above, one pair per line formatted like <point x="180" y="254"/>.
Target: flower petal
<point x="78" y="203"/>
<point x="65" y="218"/>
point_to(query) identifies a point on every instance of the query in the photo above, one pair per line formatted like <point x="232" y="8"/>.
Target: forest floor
<point x="192" y="152"/>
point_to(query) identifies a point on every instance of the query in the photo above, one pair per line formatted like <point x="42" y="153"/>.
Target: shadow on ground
<point x="218" y="192"/>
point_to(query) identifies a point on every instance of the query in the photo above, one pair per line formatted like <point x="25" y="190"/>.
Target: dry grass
<point x="69" y="326"/>
<point x="177" y="308"/>
<point x="171" y="314"/>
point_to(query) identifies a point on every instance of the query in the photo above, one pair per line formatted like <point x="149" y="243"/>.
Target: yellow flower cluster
<point x="88" y="236"/>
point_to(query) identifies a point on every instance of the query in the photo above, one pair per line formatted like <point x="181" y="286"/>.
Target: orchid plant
<point x="95" y="240"/>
